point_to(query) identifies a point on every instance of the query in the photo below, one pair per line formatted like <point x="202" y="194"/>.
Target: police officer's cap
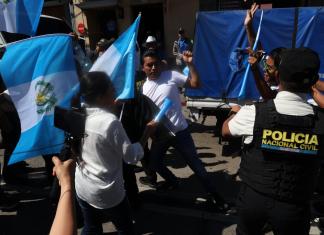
<point x="299" y="66"/>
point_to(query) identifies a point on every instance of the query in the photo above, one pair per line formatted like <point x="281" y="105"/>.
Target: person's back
<point x="98" y="179"/>
<point x="100" y="161"/>
<point x="282" y="150"/>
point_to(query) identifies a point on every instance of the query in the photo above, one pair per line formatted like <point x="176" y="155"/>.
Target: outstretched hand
<point x="187" y="57"/>
<point x="250" y="14"/>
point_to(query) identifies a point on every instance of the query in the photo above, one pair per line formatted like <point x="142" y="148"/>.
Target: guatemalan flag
<point x="20" y="16"/>
<point x="119" y="62"/>
<point x="39" y="73"/>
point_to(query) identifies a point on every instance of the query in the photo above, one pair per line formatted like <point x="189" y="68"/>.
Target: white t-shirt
<point x="242" y="124"/>
<point x="99" y="178"/>
<point x="166" y="86"/>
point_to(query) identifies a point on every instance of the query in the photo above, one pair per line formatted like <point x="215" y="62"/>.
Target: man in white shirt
<point x="282" y="149"/>
<point x="160" y="85"/>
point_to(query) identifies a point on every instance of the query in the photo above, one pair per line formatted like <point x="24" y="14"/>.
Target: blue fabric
<point x="40" y="56"/>
<point x="27" y="16"/>
<point x="311" y="32"/>
<point x="119" y="62"/>
<point x="183" y="45"/>
<point x="47" y="58"/>
<point x="124" y="76"/>
<point x="219" y="34"/>
<point x="42" y="139"/>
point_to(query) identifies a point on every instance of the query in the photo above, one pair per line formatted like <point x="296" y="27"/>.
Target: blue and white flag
<point x="119" y="62"/>
<point x="20" y="16"/>
<point x="39" y="73"/>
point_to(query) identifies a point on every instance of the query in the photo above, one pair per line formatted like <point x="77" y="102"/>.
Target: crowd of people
<point x="283" y="141"/>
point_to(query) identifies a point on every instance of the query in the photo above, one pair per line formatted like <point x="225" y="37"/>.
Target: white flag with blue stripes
<point x="119" y="62"/>
<point x="39" y="73"/>
<point x="20" y="16"/>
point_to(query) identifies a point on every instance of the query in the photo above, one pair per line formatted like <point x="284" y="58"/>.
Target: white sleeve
<point x="117" y="136"/>
<point x="242" y="123"/>
<point x="179" y="78"/>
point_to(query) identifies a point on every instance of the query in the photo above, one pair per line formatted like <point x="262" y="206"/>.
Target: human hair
<point x="298" y="70"/>
<point x="276" y="54"/>
<point x="150" y="53"/>
<point x="299" y="87"/>
<point x="94" y="85"/>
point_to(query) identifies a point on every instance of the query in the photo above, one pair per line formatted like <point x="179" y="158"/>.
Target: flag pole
<point x="243" y="87"/>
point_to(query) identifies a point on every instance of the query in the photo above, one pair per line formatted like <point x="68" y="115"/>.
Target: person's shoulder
<point x="247" y="110"/>
<point x="166" y="75"/>
<point x="100" y="120"/>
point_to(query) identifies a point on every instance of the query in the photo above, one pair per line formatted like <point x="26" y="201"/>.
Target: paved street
<point x="182" y="211"/>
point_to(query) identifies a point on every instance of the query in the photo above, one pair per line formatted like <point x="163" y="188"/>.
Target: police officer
<point x="282" y="146"/>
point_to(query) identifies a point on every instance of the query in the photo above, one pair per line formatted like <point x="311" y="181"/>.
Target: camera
<point x="72" y="122"/>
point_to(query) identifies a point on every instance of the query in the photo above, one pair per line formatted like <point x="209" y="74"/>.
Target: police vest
<point x="284" y="157"/>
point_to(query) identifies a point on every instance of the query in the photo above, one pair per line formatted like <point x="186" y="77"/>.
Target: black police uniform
<point x="279" y="170"/>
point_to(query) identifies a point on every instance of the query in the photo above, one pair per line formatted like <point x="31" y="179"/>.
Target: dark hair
<point x="298" y="70"/>
<point x="276" y="55"/>
<point x="150" y="53"/>
<point x="94" y="85"/>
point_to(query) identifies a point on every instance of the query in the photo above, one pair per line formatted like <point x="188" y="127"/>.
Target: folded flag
<point x="39" y="73"/>
<point x="165" y="107"/>
<point x="119" y="62"/>
<point x="20" y="16"/>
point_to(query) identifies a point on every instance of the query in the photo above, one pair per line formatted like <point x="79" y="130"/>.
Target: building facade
<point x="96" y="19"/>
<point x="161" y="18"/>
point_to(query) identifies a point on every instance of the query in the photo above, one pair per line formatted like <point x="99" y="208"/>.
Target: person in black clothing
<point x="282" y="149"/>
<point x="135" y="114"/>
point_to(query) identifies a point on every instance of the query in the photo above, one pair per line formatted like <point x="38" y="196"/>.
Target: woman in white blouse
<point x="98" y="178"/>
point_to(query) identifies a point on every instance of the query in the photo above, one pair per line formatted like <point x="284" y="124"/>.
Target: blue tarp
<point x="220" y="36"/>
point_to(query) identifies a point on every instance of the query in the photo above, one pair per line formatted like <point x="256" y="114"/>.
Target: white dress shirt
<point x="288" y="103"/>
<point x="99" y="177"/>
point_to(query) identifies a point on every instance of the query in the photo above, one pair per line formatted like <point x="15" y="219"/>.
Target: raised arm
<point x="248" y="24"/>
<point x="194" y="80"/>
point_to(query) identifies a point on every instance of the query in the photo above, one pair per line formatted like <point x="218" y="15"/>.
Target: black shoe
<point x="138" y="169"/>
<point x="166" y="185"/>
<point x="225" y="208"/>
<point x="219" y="205"/>
<point x="7" y="203"/>
<point x="146" y="181"/>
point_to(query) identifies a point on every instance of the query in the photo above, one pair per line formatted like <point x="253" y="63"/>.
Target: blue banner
<point x="220" y="40"/>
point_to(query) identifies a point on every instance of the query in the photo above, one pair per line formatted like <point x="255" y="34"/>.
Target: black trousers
<point x="255" y="210"/>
